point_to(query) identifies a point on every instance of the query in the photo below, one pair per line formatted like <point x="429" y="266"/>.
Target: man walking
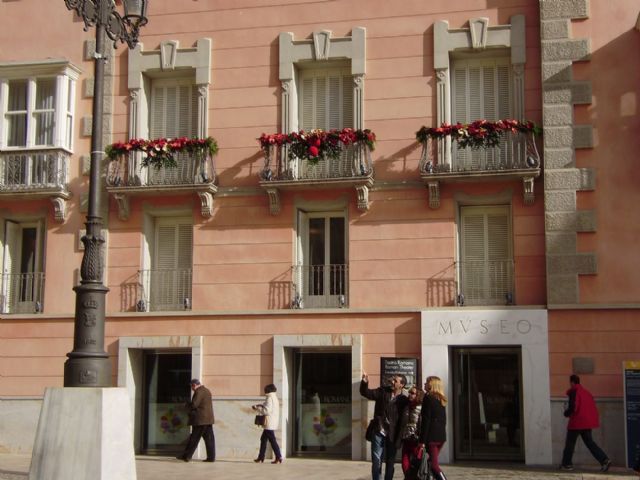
<point x="201" y="420"/>
<point x="387" y="413"/>
<point x="583" y="417"/>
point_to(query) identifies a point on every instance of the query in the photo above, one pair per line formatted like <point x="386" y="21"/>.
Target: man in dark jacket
<point x="583" y="417"/>
<point x="387" y="413"/>
<point x="201" y="420"/>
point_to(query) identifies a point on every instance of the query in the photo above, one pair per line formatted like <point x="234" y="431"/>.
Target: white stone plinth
<point x="84" y="433"/>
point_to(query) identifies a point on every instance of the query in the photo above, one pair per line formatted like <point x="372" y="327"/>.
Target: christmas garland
<point x="160" y="152"/>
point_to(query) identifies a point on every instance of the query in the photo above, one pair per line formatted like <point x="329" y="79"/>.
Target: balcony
<point x="514" y="157"/>
<point x="129" y="176"/>
<point x="486" y="282"/>
<point x="22" y="292"/>
<point x="320" y="286"/>
<point x="34" y="174"/>
<point x="164" y="290"/>
<point x="335" y="164"/>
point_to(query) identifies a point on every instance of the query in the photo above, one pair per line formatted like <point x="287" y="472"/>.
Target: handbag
<point x="424" y="470"/>
<point x="259" y="420"/>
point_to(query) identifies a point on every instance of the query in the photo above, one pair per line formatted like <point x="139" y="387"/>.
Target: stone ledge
<point x="579" y="263"/>
<point x="576" y="50"/>
<point x="570" y="179"/>
<point x="577" y="93"/>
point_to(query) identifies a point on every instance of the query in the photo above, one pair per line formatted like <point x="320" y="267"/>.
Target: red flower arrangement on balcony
<point x="316" y="144"/>
<point x="478" y="134"/>
<point x="160" y="152"/>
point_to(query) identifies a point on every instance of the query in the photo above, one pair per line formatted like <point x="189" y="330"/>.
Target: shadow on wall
<point x="442" y="288"/>
<point x="280" y="291"/>
<point x="130" y="293"/>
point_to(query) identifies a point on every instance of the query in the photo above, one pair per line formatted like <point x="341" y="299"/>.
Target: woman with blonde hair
<point x="433" y="431"/>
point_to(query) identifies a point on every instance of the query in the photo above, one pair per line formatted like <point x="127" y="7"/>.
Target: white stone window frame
<point x="479" y="37"/>
<point x="321" y="49"/>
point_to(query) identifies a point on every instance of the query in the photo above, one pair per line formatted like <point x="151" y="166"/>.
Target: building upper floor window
<point x="37" y="105"/>
<point x="174" y="109"/>
<point x="486" y="257"/>
<point x="326" y="99"/>
<point x="22" y="267"/>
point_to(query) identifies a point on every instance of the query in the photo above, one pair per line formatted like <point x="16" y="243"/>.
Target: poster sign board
<point x="631" y="372"/>
<point x="408" y="367"/>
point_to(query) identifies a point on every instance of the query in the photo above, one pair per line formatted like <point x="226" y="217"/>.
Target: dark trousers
<point x="198" y="432"/>
<point x="268" y="436"/>
<point x="570" y="445"/>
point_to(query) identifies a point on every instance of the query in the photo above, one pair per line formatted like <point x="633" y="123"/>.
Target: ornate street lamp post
<point x="88" y="364"/>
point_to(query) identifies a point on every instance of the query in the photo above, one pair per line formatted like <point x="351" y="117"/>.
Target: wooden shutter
<point x="326" y="99"/>
<point x="172" y="263"/>
<point x="174" y="110"/>
<point x="485" y="259"/>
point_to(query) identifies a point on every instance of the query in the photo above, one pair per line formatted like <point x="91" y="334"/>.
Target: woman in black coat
<point x="433" y="431"/>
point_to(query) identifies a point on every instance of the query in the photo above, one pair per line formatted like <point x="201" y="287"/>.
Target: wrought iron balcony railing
<point x="515" y="157"/>
<point x="164" y="290"/>
<point x="126" y="170"/>
<point x="354" y="162"/>
<point x="320" y="286"/>
<point x="22" y="292"/>
<point x="486" y="282"/>
<point x="195" y="172"/>
<point x="24" y="171"/>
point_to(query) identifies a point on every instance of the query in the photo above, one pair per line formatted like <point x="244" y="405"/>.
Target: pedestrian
<point x="201" y="419"/>
<point x="387" y="413"/>
<point x="410" y="428"/>
<point x="433" y="428"/>
<point x="270" y="408"/>
<point x="583" y="417"/>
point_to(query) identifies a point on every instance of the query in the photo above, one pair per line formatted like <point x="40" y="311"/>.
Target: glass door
<point x="166" y="390"/>
<point x="487" y="404"/>
<point x="322" y="403"/>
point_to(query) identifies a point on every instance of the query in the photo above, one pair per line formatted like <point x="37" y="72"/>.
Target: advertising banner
<point x="408" y="367"/>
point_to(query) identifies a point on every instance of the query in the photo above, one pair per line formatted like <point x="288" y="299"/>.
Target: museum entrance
<point x="166" y="389"/>
<point x="322" y="403"/>
<point x="487" y="404"/>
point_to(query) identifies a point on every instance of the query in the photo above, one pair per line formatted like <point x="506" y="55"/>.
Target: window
<point x="326" y="99"/>
<point x="481" y="89"/>
<point x="169" y="280"/>
<point x="486" y="259"/>
<point x="37" y="110"/>
<point x="321" y="275"/>
<point x="22" y="269"/>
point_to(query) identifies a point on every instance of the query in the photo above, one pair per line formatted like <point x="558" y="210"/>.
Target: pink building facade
<point x="503" y="269"/>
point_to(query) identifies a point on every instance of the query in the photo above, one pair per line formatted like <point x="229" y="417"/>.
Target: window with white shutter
<point x="480" y="90"/>
<point x="326" y="99"/>
<point x="171" y="267"/>
<point x="486" y="259"/>
<point x="22" y="268"/>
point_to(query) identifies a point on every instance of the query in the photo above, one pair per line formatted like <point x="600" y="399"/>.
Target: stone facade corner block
<point x="587" y="264"/>
<point x="561" y="243"/>
<point x="86" y="125"/>
<point x="87" y="90"/>
<point x="558" y="137"/>
<point x="577" y="50"/>
<point x="587" y="179"/>
<point x="553" y="9"/>
<point x="581" y="93"/>
<point x="555" y="29"/>
<point x="557" y="72"/>
<point x="586" y="221"/>
<point x="583" y="136"/>
<point x="559" y="158"/>
<point x="561" y="289"/>
<point x="560" y="222"/>
<point x="85" y="164"/>
<point x="557" y="93"/>
<point x="560" y="201"/>
<point x="558" y="115"/>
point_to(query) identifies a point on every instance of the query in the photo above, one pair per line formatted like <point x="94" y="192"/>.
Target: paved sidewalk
<point x="16" y="467"/>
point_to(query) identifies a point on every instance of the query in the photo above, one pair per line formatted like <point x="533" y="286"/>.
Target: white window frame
<point x="321" y="51"/>
<point x="7" y="244"/>
<point x="66" y="76"/>
<point x="302" y="259"/>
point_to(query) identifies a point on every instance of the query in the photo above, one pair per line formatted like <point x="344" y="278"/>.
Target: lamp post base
<point x="87" y="372"/>
<point x="84" y="433"/>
